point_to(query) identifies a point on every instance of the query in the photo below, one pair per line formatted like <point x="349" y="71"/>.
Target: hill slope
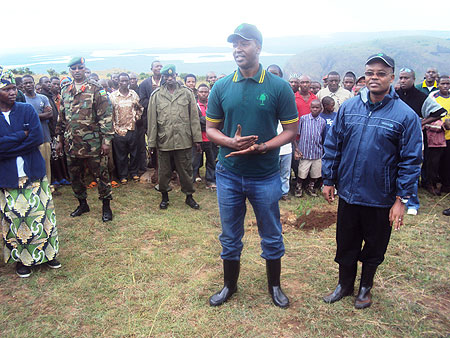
<point x="415" y="52"/>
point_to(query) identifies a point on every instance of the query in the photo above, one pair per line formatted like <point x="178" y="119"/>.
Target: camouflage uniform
<point x="85" y="122"/>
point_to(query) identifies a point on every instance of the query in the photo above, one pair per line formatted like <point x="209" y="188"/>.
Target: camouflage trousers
<point x="98" y="167"/>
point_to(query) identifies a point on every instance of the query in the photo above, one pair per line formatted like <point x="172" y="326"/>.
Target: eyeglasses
<point x="77" y="67"/>
<point x="378" y="74"/>
<point x="405" y="70"/>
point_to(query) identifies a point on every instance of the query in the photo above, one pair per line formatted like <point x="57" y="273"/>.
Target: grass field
<point x="149" y="273"/>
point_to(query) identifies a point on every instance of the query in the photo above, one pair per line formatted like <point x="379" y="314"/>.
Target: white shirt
<point x="287" y="148"/>
<point x="19" y="159"/>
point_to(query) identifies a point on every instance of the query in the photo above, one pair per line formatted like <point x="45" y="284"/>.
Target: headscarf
<point x="6" y="77"/>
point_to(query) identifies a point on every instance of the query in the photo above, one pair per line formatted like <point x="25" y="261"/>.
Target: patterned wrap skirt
<point x="28" y="223"/>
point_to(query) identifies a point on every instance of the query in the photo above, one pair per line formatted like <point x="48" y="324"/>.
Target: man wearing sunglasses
<point x="85" y="127"/>
<point x="372" y="155"/>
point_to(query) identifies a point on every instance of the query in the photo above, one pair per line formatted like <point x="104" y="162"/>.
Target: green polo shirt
<point x="257" y="104"/>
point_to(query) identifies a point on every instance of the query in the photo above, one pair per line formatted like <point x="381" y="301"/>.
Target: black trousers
<point x="122" y="147"/>
<point x="197" y="160"/>
<point x="141" y="152"/>
<point x="357" y="224"/>
<point x="444" y="170"/>
<point x="435" y="157"/>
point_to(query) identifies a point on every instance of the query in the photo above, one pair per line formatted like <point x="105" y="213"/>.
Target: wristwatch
<point x="403" y="200"/>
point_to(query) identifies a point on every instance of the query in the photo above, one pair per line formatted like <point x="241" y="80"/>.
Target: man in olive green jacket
<point x="173" y="128"/>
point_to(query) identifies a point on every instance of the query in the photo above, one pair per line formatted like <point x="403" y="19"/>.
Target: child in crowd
<point x="328" y="113"/>
<point x="436" y="150"/>
<point x="309" y="149"/>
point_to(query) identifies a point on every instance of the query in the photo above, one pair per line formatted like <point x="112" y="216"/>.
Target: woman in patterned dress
<point x="27" y="214"/>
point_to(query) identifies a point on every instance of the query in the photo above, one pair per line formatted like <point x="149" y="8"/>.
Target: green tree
<point x="52" y="72"/>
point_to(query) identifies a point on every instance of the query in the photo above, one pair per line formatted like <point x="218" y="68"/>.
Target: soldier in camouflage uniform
<point x="173" y="127"/>
<point x="85" y="125"/>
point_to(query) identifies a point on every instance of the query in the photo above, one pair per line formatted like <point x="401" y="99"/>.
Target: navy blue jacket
<point x="14" y="143"/>
<point x="373" y="154"/>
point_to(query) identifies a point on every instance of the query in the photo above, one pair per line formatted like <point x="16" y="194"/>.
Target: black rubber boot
<point x="364" y="298"/>
<point x="165" y="200"/>
<point x="106" y="211"/>
<point x="345" y="287"/>
<point x="230" y="278"/>
<point x="273" y="267"/>
<point x="191" y="202"/>
<point x="81" y="209"/>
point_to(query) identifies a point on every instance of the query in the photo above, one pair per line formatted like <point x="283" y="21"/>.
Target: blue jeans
<point x="263" y="194"/>
<point x="413" y="202"/>
<point x="285" y="172"/>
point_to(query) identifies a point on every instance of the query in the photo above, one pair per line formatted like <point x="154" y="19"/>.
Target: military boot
<point x="191" y="202"/>
<point x="81" y="209"/>
<point x="165" y="200"/>
<point x="106" y="211"/>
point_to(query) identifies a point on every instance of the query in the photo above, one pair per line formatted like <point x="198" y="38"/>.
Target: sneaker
<point x="211" y="186"/>
<point x="114" y="184"/>
<point x="53" y="264"/>
<point x="123" y="181"/>
<point x="91" y="185"/>
<point x="298" y="191"/>
<point x="412" y="211"/>
<point x="136" y="178"/>
<point x="23" y="271"/>
<point x="198" y="179"/>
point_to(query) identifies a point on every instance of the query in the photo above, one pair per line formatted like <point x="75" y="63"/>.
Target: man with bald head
<point x="304" y="96"/>
<point x="430" y="83"/>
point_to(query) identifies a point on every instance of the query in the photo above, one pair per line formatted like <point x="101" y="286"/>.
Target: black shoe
<point x="273" y="267"/>
<point x="338" y="293"/>
<point x="446" y="212"/>
<point x="191" y="202"/>
<point x="53" y="264"/>
<point x="364" y="298"/>
<point x="230" y="277"/>
<point x="165" y="200"/>
<point x="23" y="271"/>
<point x="106" y="211"/>
<point x="347" y="275"/>
<point x="81" y="209"/>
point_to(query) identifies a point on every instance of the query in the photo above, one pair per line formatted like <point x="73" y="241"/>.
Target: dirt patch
<point x="314" y="220"/>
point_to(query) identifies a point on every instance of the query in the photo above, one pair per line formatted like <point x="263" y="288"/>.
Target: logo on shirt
<point x="388" y="124"/>
<point x="262" y="98"/>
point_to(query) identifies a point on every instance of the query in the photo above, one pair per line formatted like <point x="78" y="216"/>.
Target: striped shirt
<point x="311" y="131"/>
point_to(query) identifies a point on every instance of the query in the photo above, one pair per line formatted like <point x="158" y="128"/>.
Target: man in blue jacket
<point x="372" y="155"/>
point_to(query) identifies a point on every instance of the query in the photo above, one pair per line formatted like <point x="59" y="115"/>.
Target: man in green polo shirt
<point x="243" y="113"/>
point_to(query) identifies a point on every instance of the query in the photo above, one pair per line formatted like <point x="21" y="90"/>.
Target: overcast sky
<point x="176" y="23"/>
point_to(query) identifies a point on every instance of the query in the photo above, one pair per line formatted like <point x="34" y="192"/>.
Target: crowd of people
<point x="260" y="138"/>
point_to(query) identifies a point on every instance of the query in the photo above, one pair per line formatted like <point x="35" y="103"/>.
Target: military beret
<point x="168" y="70"/>
<point x="75" y="61"/>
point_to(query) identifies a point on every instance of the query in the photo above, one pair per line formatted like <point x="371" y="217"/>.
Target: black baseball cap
<point x="382" y="57"/>
<point x="247" y="32"/>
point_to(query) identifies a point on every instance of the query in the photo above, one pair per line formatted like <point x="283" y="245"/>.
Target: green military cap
<point x="75" y="61"/>
<point x="168" y="70"/>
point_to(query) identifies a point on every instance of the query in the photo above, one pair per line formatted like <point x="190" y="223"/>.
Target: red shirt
<point x="203" y="108"/>
<point x="303" y="107"/>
